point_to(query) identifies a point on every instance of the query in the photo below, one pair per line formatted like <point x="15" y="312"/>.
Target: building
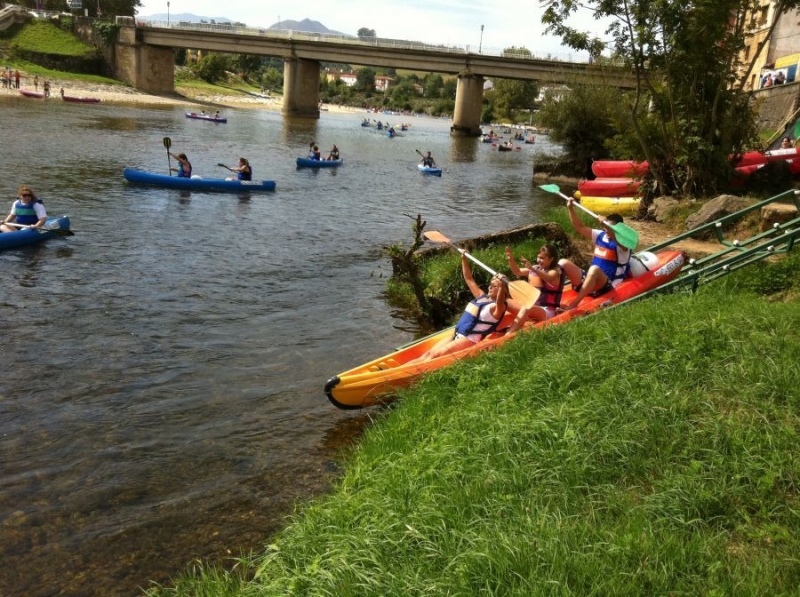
<point x="777" y="54"/>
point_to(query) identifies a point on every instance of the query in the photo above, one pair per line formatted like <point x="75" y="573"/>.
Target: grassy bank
<point x="648" y="450"/>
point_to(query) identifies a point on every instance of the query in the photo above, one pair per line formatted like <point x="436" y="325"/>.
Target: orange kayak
<point x="376" y="380"/>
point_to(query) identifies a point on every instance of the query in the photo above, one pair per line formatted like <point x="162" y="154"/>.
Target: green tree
<point x="365" y="32"/>
<point x="212" y="67"/>
<point x="449" y="88"/>
<point x="686" y="111"/>
<point x="510" y="95"/>
<point x="272" y="78"/>
<point x="365" y="79"/>
<point x="246" y="64"/>
<point x="433" y="85"/>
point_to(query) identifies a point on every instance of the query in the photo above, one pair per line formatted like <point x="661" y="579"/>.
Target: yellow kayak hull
<point x="625" y="206"/>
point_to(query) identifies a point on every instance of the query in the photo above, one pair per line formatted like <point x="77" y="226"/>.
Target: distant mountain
<point x="183" y="17"/>
<point x="306" y="25"/>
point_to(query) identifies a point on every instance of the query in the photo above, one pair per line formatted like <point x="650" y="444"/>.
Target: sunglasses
<point x="26" y="195"/>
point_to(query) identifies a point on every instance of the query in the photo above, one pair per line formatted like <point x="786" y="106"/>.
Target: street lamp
<point x="167" y="14"/>
<point x="480" y="45"/>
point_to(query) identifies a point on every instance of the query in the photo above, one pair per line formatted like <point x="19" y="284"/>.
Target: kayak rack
<point x="736" y="254"/>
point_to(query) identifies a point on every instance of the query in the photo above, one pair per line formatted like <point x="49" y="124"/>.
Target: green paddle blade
<point x="626" y="236"/>
<point x="550" y="188"/>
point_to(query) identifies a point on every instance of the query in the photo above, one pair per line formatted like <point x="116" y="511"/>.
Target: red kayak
<point x="81" y="100"/>
<point x="753" y="158"/>
<point x="33" y="94"/>
<point x="609" y="187"/>
<point x="619" y="168"/>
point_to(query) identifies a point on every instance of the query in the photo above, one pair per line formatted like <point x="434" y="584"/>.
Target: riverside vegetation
<point x="646" y="450"/>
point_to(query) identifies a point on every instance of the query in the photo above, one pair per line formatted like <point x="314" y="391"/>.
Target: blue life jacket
<point x="606" y="258"/>
<point x="471" y="321"/>
<point x="26" y="214"/>
<point x="183" y="173"/>
<point x="246" y="175"/>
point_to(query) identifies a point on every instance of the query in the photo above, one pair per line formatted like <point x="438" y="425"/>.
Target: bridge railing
<point x="378" y="42"/>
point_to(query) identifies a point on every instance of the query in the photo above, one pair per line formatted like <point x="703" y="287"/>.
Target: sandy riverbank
<point x="184" y="96"/>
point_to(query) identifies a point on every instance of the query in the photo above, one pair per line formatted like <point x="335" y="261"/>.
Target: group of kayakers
<point x="243" y="169"/>
<point x="549" y="275"/>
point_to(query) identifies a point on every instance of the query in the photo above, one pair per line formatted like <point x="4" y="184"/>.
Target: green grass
<point x="648" y="450"/>
<point x="46" y="38"/>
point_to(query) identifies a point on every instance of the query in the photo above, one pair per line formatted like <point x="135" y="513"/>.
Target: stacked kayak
<point x="80" y="100"/>
<point x="433" y="171"/>
<point x="309" y="163"/>
<point x="196" y="183"/>
<point x="619" y="168"/>
<point x="28" y="236"/>
<point x="209" y="117"/>
<point x="369" y="383"/>
<point x="609" y="187"/>
<point x="623" y="206"/>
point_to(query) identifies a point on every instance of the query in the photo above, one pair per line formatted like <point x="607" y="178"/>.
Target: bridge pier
<point x="301" y="88"/>
<point x="148" y="68"/>
<point x="469" y="105"/>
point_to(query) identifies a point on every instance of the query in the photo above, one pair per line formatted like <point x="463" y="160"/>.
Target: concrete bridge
<point x="145" y="59"/>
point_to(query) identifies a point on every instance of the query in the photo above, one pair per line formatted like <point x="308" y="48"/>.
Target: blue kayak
<point x="309" y="163"/>
<point x="26" y="236"/>
<point x="429" y="170"/>
<point x="197" y="183"/>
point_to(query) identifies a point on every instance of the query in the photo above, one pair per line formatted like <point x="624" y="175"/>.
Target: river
<point x="162" y="370"/>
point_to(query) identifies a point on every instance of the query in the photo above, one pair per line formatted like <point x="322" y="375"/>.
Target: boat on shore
<point x="32" y="94"/>
<point x="625" y="206"/>
<point x="196" y="183"/>
<point x="27" y="236"/>
<point x="309" y="163"/>
<point x="208" y="117"/>
<point x="609" y="187"/>
<point x="376" y="380"/>
<point x="80" y="100"/>
<point x="619" y="168"/>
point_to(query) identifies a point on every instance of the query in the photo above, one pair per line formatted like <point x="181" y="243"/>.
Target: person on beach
<point x="546" y="275"/>
<point x="610" y="264"/>
<point x="46" y="88"/>
<point x="27" y="210"/>
<point x="480" y="318"/>
<point x="243" y="171"/>
<point x="36" y="82"/>
<point x="428" y="161"/>
<point x="184" y="168"/>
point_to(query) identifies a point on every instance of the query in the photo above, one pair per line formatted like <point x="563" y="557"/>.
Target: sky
<point x="505" y="23"/>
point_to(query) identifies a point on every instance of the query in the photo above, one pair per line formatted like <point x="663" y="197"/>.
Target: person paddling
<point x="243" y="171"/>
<point x="184" y="168"/>
<point x="27" y="210"/>
<point x="480" y="318"/>
<point x="428" y="161"/>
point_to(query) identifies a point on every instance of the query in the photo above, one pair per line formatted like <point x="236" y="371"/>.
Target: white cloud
<point x="453" y="22"/>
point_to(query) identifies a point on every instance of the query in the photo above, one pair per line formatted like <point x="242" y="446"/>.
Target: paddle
<point x="168" y="143"/>
<point x="58" y="230"/>
<point x="224" y="166"/>
<point x="521" y="291"/>
<point x="627" y="236"/>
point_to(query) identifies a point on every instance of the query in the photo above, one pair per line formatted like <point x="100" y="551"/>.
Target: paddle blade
<point x="551" y="188"/>
<point x="523" y="292"/>
<point x="167" y="142"/>
<point x="436" y="237"/>
<point x="626" y="236"/>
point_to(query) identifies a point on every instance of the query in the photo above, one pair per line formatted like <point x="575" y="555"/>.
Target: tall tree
<point x="686" y="111"/>
<point x="365" y="32"/>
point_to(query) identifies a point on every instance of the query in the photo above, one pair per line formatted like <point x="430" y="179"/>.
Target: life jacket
<point x="26" y="214"/>
<point x="472" y="320"/>
<point x="549" y="294"/>
<point x="427" y="162"/>
<point x="246" y="175"/>
<point x="183" y="173"/>
<point x="606" y="257"/>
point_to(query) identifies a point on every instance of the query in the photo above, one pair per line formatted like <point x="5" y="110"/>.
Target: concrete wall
<point x="776" y="105"/>
<point x="147" y="68"/>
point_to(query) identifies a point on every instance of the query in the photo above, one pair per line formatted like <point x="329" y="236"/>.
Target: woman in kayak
<point x="334" y="153"/>
<point x="184" y="168"/>
<point x="243" y="171"/>
<point x="27" y="210"/>
<point x="546" y="275"/>
<point x="480" y="318"/>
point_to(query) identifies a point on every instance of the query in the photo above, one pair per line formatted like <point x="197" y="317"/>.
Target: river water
<point x="162" y="370"/>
